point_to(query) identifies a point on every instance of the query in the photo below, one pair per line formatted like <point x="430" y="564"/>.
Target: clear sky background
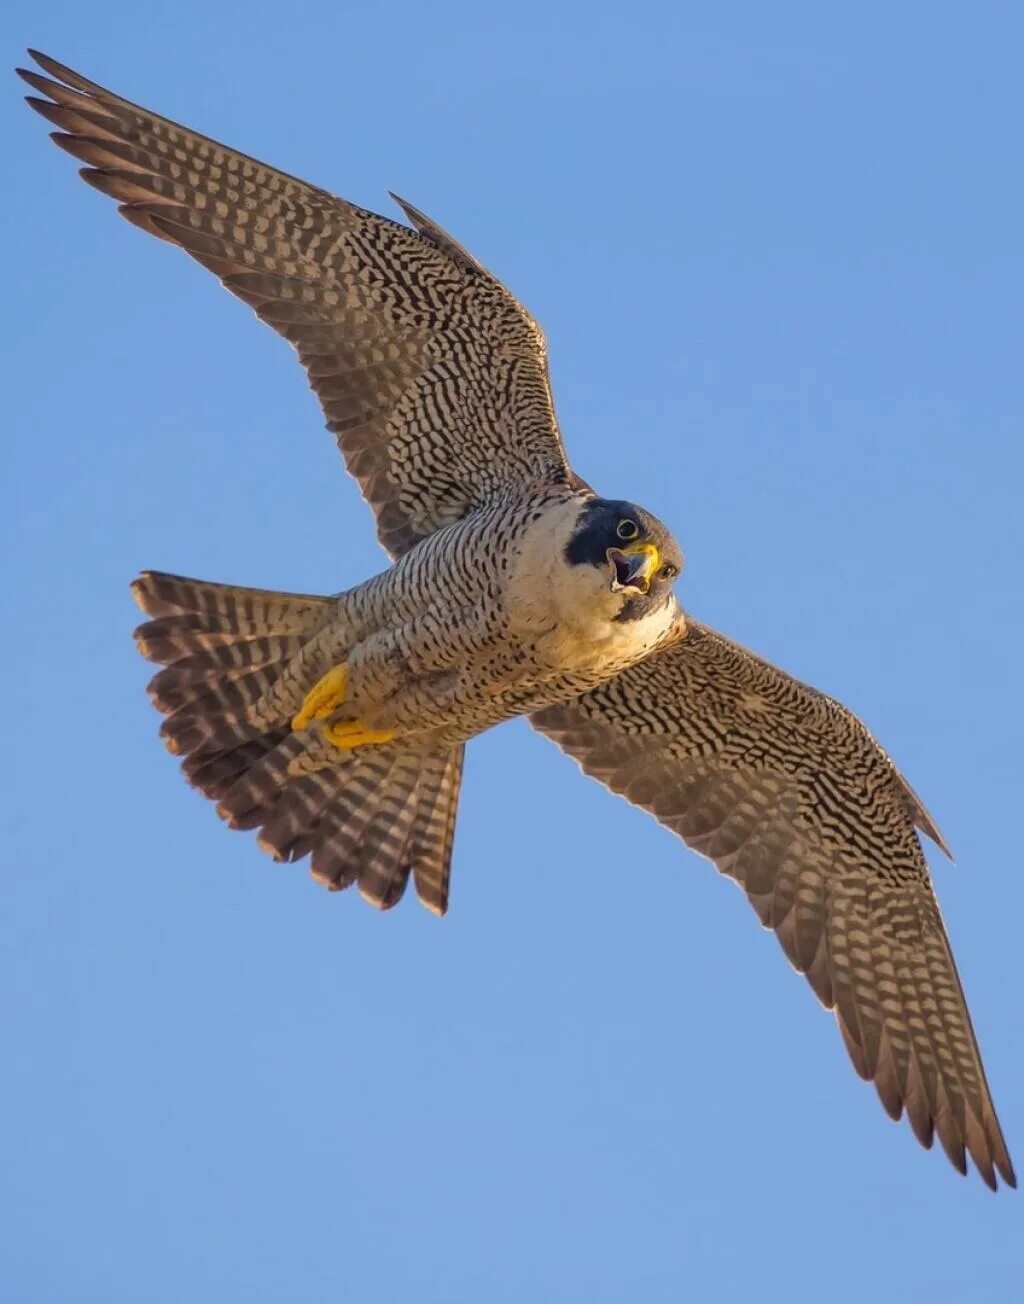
<point x="777" y="251"/>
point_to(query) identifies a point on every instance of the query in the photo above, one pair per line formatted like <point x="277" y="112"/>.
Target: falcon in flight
<point x="336" y="725"/>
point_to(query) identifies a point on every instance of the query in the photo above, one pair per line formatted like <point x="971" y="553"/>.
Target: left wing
<point x="432" y="376"/>
<point x="788" y="793"/>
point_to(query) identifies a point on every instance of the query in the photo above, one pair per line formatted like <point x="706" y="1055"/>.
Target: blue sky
<point x="777" y="251"/>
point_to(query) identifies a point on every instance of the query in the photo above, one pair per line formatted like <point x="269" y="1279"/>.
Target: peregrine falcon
<point x="336" y="725"/>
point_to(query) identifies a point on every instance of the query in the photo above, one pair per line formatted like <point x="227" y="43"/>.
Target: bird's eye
<point x="627" y="529"/>
<point x="668" y="571"/>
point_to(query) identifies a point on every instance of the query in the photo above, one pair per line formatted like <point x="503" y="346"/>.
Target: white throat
<point x="574" y="605"/>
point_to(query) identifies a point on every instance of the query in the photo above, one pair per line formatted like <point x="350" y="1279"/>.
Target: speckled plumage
<point x="510" y="594"/>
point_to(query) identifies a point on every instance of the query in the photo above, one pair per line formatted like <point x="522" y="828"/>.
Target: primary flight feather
<point x="336" y="725"/>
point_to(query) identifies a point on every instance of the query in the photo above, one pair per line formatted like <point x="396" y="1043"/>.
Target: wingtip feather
<point x="62" y="73"/>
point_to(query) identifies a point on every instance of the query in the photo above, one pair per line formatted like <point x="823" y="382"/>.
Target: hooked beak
<point x="633" y="567"/>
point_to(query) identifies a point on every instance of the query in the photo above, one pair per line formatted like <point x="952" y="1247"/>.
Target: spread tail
<point x="370" y="816"/>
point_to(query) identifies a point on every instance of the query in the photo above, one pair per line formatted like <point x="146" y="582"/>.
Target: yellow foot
<point x="326" y="695"/>
<point x="350" y="733"/>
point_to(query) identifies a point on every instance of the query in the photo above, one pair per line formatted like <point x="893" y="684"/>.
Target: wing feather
<point x="433" y="378"/>
<point x="789" y="794"/>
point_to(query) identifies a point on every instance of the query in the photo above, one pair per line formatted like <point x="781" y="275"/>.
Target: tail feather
<point x="292" y="823"/>
<point x="214" y="774"/>
<point x="243" y="611"/>
<point x="206" y="700"/>
<point x="258" y="787"/>
<point x="374" y="816"/>
<point x="334" y="844"/>
<point x="374" y="819"/>
<point x="223" y="647"/>
<point x="360" y="834"/>
<point x="231" y="660"/>
<point x="385" y="860"/>
<point x="435" y="832"/>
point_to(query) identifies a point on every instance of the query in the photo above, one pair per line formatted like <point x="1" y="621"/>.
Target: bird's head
<point x="637" y="558"/>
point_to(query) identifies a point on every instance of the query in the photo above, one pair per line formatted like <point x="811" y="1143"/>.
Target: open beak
<point x="633" y="568"/>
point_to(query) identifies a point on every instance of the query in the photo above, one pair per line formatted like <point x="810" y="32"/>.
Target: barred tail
<point x="369" y="816"/>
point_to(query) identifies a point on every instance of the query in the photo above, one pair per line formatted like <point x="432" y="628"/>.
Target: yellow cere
<point x="653" y="556"/>
<point x="631" y="550"/>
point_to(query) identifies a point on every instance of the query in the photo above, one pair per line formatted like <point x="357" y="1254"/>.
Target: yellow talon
<point x="323" y="699"/>
<point x="350" y="733"/>
<point x="326" y="695"/>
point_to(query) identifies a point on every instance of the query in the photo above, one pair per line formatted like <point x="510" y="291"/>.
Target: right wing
<point x="433" y="377"/>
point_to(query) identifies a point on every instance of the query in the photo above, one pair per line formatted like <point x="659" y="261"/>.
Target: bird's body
<point x="336" y="725"/>
<point x="481" y="621"/>
<point x="273" y="699"/>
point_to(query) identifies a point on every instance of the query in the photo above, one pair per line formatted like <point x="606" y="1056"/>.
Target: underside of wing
<point x="789" y="794"/>
<point x="432" y="376"/>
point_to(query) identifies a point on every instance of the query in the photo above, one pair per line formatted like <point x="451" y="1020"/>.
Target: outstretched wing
<point x="432" y="376"/>
<point x="788" y="793"/>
